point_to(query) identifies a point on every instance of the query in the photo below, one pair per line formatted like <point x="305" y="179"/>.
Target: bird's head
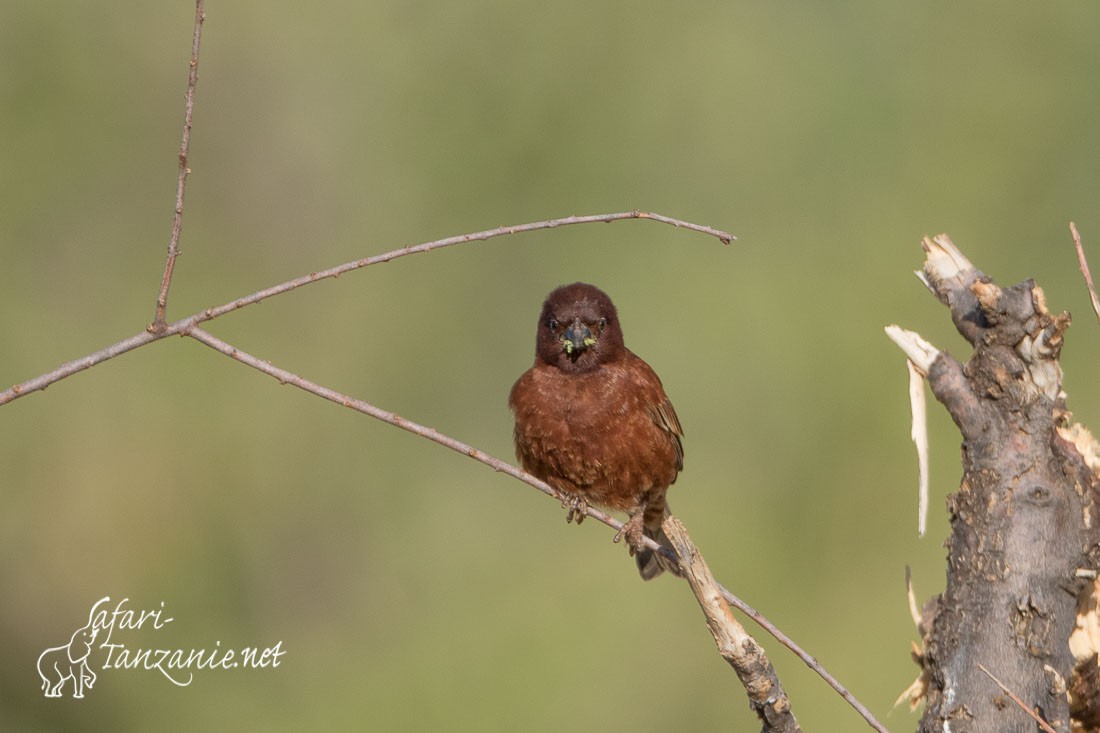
<point x="578" y="329"/>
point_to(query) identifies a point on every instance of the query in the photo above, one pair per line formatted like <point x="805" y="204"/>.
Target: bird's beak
<point x="578" y="337"/>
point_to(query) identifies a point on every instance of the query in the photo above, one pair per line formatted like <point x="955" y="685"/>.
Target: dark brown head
<point x="578" y="329"/>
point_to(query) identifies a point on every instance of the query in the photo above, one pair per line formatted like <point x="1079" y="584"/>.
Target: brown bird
<point x="594" y="422"/>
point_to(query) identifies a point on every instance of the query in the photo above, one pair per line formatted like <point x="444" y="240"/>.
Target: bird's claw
<point x="633" y="533"/>
<point x="577" y="506"/>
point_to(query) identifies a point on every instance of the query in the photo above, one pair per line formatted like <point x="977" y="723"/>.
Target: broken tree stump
<point x="1025" y="529"/>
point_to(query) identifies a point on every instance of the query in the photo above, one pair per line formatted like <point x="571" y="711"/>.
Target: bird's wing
<point x="665" y="416"/>
<point x="659" y="406"/>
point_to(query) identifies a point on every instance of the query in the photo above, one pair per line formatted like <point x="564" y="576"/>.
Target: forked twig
<point x="177" y="327"/>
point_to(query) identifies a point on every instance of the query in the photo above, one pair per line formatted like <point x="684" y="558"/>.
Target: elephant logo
<point x="69" y="661"/>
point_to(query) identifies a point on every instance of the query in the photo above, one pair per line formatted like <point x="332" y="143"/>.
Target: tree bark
<point x="1024" y="521"/>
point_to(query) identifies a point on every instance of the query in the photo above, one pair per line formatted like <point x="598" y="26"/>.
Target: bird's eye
<point x="552" y="323"/>
<point x="603" y="323"/>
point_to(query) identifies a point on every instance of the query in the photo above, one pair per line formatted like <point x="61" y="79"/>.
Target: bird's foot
<point x="633" y="532"/>
<point x="577" y="506"/>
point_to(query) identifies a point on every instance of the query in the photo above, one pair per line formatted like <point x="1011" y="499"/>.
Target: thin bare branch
<point x="1085" y="270"/>
<point x="459" y="239"/>
<point x="78" y="365"/>
<point x="391" y="418"/>
<point x="725" y="237"/>
<point x="285" y="377"/>
<point x="1042" y="723"/>
<point x="806" y="658"/>
<point x="153" y="334"/>
<point x="181" y="182"/>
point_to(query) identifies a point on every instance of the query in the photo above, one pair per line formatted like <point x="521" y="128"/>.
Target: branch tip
<point x="1084" y="265"/>
<point x="920" y="352"/>
<point x="942" y="257"/>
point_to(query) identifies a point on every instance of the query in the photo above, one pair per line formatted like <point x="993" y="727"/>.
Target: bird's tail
<point x="650" y="563"/>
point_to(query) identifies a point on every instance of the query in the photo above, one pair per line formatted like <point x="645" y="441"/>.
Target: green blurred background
<point x="412" y="588"/>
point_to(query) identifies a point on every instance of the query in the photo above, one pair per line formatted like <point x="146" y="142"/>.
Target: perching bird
<point x="593" y="420"/>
